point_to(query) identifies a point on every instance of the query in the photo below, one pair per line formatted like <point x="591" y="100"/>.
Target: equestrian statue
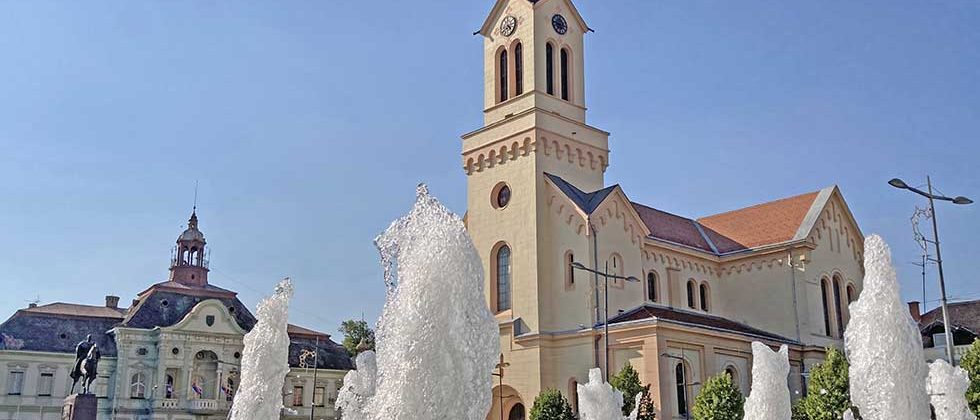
<point x="87" y="356"/>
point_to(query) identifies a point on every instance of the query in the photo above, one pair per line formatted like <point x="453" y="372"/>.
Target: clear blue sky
<point x="308" y="124"/>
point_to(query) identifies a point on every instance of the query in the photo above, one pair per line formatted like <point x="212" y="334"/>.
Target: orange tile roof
<point x="762" y="224"/>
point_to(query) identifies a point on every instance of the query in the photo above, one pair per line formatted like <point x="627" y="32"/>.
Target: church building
<point x="173" y="354"/>
<point x="687" y="296"/>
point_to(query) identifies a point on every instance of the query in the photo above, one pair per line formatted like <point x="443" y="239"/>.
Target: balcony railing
<point x="206" y="406"/>
<point x="166" y="404"/>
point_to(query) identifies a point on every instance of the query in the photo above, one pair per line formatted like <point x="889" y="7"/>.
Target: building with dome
<point x="539" y="211"/>
<point x="173" y="354"/>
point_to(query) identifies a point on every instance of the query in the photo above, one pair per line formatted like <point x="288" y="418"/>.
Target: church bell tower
<point x="189" y="262"/>
<point x="534" y="124"/>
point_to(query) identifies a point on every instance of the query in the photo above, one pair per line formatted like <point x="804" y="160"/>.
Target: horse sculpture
<point x="90" y="368"/>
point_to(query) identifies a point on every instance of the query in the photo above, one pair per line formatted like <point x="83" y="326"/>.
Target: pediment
<point x="208" y="317"/>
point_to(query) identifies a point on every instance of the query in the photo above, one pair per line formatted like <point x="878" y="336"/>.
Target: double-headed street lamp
<point x="898" y="183"/>
<point x="605" y="275"/>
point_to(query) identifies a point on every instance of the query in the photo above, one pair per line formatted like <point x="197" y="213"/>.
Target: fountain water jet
<point x="597" y="400"/>
<point x="884" y="347"/>
<point x="437" y="342"/>
<point x="769" y="399"/>
<point x="265" y="360"/>
<point x="947" y="391"/>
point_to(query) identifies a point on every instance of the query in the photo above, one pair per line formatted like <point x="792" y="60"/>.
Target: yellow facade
<point x="534" y="139"/>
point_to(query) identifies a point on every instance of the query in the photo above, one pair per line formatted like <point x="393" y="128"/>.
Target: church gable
<point x="831" y="222"/>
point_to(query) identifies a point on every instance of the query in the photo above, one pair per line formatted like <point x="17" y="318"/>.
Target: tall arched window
<point x="137" y="386"/>
<point x="569" y="271"/>
<point x="518" y="69"/>
<point x="681" y="378"/>
<point x="733" y="374"/>
<point x="838" y="307"/>
<point x="549" y="53"/>
<point x="503" y="278"/>
<point x="691" y="290"/>
<point x="652" y="286"/>
<point x="168" y="392"/>
<point x="851" y="294"/>
<point x="825" y="294"/>
<point x="573" y="394"/>
<point x="503" y="75"/>
<point x="564" y="74"/>
<point x="705" y="295"/>
<point x="516" y="412"/>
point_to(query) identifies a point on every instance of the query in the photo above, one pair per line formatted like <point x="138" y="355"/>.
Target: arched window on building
<point x="691" y="294"/>
<point x="168" y="391"/>
<point x="518" y="69"/>
<point x="705" y="297"/>
<point x="838" y="307"/>
<point x="503" y="75"/>
<point x="137" y="386"/>
<point x="549" y="75"/>
<point x="733" y="374"/>
<point x="503" y="283"/>
<point x="652" y="286"/>
<point x="681" y="382"/>
<point x="573" y="395"/>
<point x="564" y="75"/>
<point x="851" y="294"/>
<point x="825" y="295"/>
<point x="569" y="271"/>
<point x="516" y="412"/>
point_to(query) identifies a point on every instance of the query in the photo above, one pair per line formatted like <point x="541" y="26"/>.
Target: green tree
<point x="829" y="388"/>
<point x="971" y="363"/>
<point x="719" y="399"/>
<point x="798" y="412"/>
<point x="627" y="381"/>
<point x="551" y="405"/>
<point x="647" y="410"/>
<point x="356" y="332"/>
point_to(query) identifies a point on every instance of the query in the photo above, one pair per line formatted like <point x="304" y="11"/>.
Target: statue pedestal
<point x="80" y="407"/>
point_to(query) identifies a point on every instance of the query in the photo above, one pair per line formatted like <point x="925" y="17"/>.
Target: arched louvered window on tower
<point x="564" y="75"/>
<point x="549" y="72"/>
<point x="503" y="75"/>
<point x="518" y="69"/>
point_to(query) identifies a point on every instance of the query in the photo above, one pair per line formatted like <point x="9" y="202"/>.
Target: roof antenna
<point x="34" y="302"/>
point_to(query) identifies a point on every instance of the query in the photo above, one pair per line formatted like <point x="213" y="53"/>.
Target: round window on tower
<point x="500" y="196"/>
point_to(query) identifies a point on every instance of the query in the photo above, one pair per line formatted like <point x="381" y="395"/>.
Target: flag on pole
<point x="197" y="390"/>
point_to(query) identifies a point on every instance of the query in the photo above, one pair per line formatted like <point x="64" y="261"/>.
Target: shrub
<point x="551" y="405"/>
<point x="719" y="399"/>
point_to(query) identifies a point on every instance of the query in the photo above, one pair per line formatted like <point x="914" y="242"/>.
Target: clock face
<point x="508" y="26"/>
<point x="560" y="24"/>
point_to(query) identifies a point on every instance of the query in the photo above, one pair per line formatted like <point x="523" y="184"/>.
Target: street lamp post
<point x="500" y="389"/>
<point x="898" y="183"/>
<point x="605" y="276"/>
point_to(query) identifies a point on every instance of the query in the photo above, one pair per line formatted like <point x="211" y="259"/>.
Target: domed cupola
<point x="189" y="262"/>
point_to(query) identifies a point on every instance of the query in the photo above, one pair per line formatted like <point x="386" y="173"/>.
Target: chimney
<point x="915" y="312"/>
<point x="112" y="302"/>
